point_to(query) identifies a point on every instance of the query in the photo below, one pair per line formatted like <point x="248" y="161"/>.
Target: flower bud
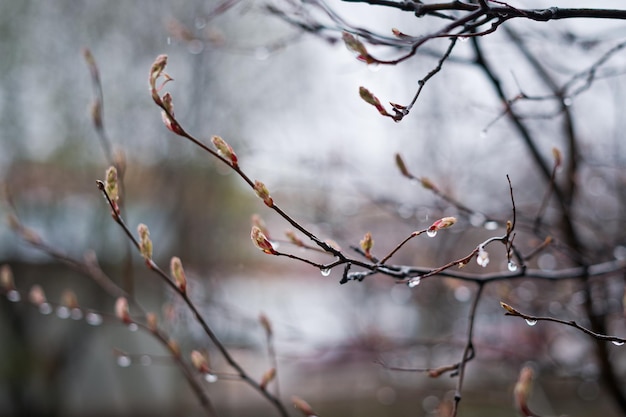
<point x="267" y="377"/>
<point x="145" y="244"/>
<point x="258" y="222"/>
<point x="151" y="322"/>
<point x="121" y="310"/>
<point x="6" y="278"/>
<point x="263" y="193"/>
<point x="176" y="267"/>
<point x="366" y="244"/>
<point x="442" y="223"/>
<point x="356" y="46"/>
<point x="110" y="184"/>
<point x="261" y="241"/>
<point x="173" y="347"/>
<point x="522" y="391"/>
<point x="402" y="167"/>
<point x="291" y="235"/>
<point x="556" y="154"/>
<point x="200" y="362"/>
<point x="36" y="295"/>
<point x="302" y="406"/>
<point x="509" y="309"/>
<point x="69" y="299"/>
<point x="370" y="98"/>
<point x="428" y="184"/>
<point x="168" y="116"/>
<point x="156" y="70"/>
<point x="225" y="150"/>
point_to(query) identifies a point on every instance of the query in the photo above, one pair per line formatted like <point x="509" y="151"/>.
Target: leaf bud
<point x="200" y="362"/>
<point x="110" y="184"/>
<point x="263" y="193"/>
<point x="260" y="241"/>
<point x="121" y="310"/>
<point x="176" y="268"/>
<point x="442" y="223"/>
<point x="366" y="244"/>
<point x="225" y="150"/>
<point x="267" y="377"/>
<point x="36" y="295"/>
<point x="302" y="406"/>
<point x="145" y="244"/>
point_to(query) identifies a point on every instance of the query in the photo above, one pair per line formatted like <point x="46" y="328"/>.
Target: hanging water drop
<point x="94" y="319"/>
<point x="483" y="134"/>
<point x="133" y="327"/>
<point x="414" y="282"/>
<point x="13" y="296"/>
<point x="431" y="233"/>
<point x="124" y="361"/>
<point x="617" y="342"/>
<point x="210" y="378"/>
<point x="63" y="312"/>
<point x="145" y="360"/>
<point x="531" y="322"/>
<point x="491" y="225"/>
<point x="45" y="308"/>
<point x="512" y="266"/>
<point x="76" y="314"/>
<point x="325" y="272"/>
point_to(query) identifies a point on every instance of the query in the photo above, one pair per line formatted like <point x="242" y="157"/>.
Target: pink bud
<point x="522" y="391"/>
<point x="370" y="98"/>
<point x="145" y="244"/>
<point x="261" y="242"/>
<point x="200" y="362"/>
<point x="36" y="295"/>
<point x="6" y="278"/>
<point x="263" y="193"/>
<point x="302" y="406"/>
<point x="225" y="150"/>
<point x="121" y="310"/>
<point x="442" y="223"/>
<point x="176" y="268"/>
<point x="267" y="377"/>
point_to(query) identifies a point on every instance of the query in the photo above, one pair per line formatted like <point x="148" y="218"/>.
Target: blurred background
<point x="288" y="103"/>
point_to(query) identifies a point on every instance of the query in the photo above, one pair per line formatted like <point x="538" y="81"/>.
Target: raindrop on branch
<point x="431" y="233"/>
<point x="512" y="266"/>
<point x="133" y="327"/>
<point x="210" y="378"/>
<point x="325" y="272"/>
<point x="414" y="282"/>
<point x="45" y="308"/>
<point x="531" y="322"/>
<point x="617" y="342"/>
<point x="124" y="361"/>
<point x="93" y="319"/>
<point x="13" y="296"/>
<point x="63" y="312"/>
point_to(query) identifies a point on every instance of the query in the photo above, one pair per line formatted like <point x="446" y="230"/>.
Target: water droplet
<point x="431" y="233"/>
<point x="124" y="361"/>
<point x="483" y="258"/>
<point x="76" y="314"/>
<point x="275" y="245"/>
<point x="145" y="360"/>
<point x="414" y="282"/>
<point x="168" y="40"/>
<point x="200" y="23"/>
<point x="531" y="322"/>
<point x="463" y="38"/>
<point x="617" y="342"/>
<point x="491" y="225"/>
<point x="13" y="296"/>
<point x="210" y="378"/>
<point x="483" y="134"/>
<point x="63" y="312"/>
<point x="133" y="327"/>
<point x="374" y="67"/>
<point x="512" y="266"/>
<point x="45" y="308"/>
<point x="325" y="272"/>
<point x="93" y="319"/>
<point x="477" y="219"/>
<point x="195" y="46"/>
<point x="567" y="101"/>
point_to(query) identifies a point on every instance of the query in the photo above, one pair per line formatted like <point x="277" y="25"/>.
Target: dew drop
<point x="133" y="327"/>
<point x="491" y="225"/>
<point x="617" y="342"/>
<point x="431" y="233"/>
<point x="567" y="101"/>
<point x="463" y="39"/>
<point x="76" y="314"/>
<point x="414" y="282"/>
<point x="531" y="322"/>
<point x="93" y="319"/>
<point x="374" y="67"/>
<point x="325" y="272"/>
<point x="13" y="296"/>
<point x="512" y="266"/>
<point x="63" y="312"/>
<point x="124" y="361"/>
<point x="145" y="360"/>
<point x="210" y="378"/>
<point x="45" y="308"/>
